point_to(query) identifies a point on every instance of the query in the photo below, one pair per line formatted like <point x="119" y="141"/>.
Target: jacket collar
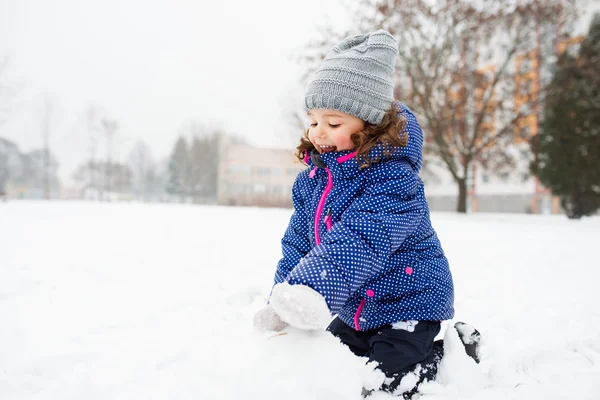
<point x="342" y="164"/>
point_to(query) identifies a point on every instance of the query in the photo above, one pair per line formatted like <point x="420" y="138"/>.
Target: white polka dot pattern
<point x="381" y="254"/>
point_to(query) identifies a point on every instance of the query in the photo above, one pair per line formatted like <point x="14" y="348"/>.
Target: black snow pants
<point x="398" y="351"/>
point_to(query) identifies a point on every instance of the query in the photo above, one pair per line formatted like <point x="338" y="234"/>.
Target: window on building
<point x="277" y="190"/>
<point x="260" y="188"/>
<point x="488" y="55"/>
<point x="485" y="178"/>
<point x="238" y="188"/>
<point x="526" y="65"/>
<point x="525" y="132"/>
<point x="262" y="171"/>
<point x="573" y="50"/>
<point x="485" y="78"/>
<point x="525" y="88"/>
<point x="508" y="86"/>
<point x="239" y="170"/>
<point x="525" y="109"/>
<point x="455" y="101"/>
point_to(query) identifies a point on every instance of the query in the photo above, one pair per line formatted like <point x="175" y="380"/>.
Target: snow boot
<point x="470" y="338"/>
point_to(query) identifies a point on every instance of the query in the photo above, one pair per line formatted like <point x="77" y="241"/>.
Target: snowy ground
<point x="125" y="301"/>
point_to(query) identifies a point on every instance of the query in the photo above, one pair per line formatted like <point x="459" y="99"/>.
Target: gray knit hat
<point x="356" y="77"/>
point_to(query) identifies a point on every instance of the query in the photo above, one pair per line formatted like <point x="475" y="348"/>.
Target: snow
<point x="129" y="301"/>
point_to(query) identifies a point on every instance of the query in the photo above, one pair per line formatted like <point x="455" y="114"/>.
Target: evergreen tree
<point x="205" y="164"/>
<point x="179" y="168"/>
<point x="568" y="159"/>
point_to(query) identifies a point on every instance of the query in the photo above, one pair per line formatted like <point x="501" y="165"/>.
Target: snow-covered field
<point x="126" y="301"/>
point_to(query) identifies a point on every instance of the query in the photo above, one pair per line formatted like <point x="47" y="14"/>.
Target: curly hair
<point x="390" y="132"/>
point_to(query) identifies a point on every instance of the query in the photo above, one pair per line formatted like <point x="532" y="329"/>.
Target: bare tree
<point x="49" y="113"/>
<point x="291" y="101"/>
<point x="109" y="127"/>
<point x="5" y="155"/>
<point x="40" y="168"/>
<point x="6" y="91"/>
<point x="462" y="68"/>
<point x="141" y="164"/>
<point x="92" y="127"/>
<point x="120" y="175"/>
<point x="10" y="163"/>
<point x="293" y="114"/>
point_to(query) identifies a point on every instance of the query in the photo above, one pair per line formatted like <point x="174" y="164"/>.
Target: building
<point x="250" y="176"/>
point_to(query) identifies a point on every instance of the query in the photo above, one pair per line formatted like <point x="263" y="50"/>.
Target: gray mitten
<point x="266" y="319"/>
<point x="300" y="306"/>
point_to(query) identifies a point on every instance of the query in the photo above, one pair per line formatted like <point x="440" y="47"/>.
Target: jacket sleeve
<point x="370" y="231"/>
<point x="295" y="243"/>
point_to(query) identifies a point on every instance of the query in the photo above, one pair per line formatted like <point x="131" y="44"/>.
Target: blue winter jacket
<point x="363" y="238"/>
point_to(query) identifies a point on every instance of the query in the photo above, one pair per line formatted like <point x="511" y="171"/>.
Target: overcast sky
<point x="155" y="65"/>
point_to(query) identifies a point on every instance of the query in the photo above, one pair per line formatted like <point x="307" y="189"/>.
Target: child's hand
<point x="266" y="319"/>
<point x="300" y="306"/>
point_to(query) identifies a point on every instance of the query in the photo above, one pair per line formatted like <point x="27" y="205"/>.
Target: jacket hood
<point x="413" y="151"/>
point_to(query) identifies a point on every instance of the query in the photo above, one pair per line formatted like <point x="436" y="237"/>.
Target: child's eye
<point x="334" y="126"/>
<point x="313" y="125"/>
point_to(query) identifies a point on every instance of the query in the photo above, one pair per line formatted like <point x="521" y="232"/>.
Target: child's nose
<point x="320" y="133"/>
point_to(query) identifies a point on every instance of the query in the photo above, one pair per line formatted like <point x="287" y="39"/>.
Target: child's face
<point x="330" y="130"/>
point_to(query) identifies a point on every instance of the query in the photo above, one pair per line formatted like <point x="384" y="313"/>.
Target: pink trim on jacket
<point x="321" y="205"/>
<point x="370" y="293"/>
<point x="306" y="157"/>
<point x="357" y="315"/>
<point x="346" y="157"/>
<point x="328" y="222"/>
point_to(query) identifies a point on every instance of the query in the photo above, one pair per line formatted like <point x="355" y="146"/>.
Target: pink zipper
<point x="323" y="198"/>
<point x="328" y="221"/>
<point x="321" y="205"/>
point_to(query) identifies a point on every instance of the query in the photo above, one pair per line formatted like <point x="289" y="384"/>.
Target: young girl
<point x="360" y="242"/>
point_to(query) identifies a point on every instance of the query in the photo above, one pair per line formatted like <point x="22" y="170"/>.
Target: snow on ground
<point x="127" y="301"/>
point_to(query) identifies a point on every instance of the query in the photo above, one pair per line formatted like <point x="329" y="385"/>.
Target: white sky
<point x="155" y="65"/>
